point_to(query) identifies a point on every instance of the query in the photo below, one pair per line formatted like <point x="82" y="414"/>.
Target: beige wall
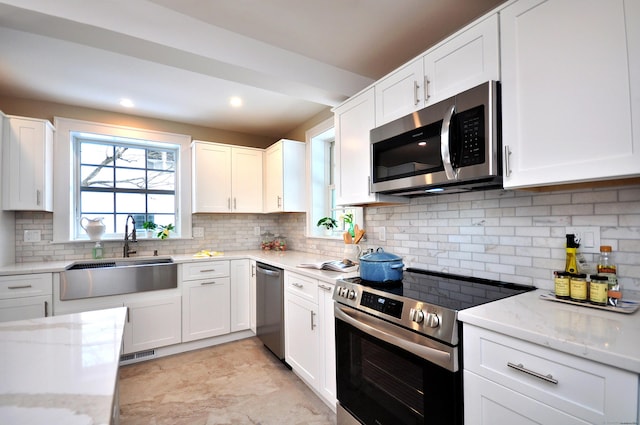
<point x="299" y="132"/>
<point x="48" y="110"/>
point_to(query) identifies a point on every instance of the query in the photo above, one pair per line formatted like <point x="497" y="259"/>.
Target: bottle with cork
<point x="607" y="268"/>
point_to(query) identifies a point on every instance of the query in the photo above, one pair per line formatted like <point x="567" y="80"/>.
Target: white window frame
<point x="321" y="134"/>
<point x="64" y="192"/>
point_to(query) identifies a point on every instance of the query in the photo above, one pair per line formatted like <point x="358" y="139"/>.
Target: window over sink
<point x="110" y="171"/>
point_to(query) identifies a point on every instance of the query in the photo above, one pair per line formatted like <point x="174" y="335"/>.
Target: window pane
<point x="162" y="203"/>
<point x="130" y="203"/>
<point x="130" y="179"/>
<point x="96" y="176"/>
<point x="161" y="160"/>
<point x="158" y="180"/>
<point x="96" y="202"/>
<point x="163" y="220"/>
<point x="130" y="157"/>
<point x="94" y="153"/>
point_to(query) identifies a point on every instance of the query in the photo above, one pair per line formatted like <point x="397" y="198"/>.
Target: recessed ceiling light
<point x="235" y="101"/>
<point x="127" y="103"/>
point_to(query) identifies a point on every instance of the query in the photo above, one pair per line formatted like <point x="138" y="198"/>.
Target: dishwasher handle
<point x="267" y="272"/>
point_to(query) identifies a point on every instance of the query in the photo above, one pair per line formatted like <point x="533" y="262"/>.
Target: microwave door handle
<point x="444" y="144"/>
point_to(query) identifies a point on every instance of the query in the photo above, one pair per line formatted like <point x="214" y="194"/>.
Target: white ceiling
<point x="181" y="60"/>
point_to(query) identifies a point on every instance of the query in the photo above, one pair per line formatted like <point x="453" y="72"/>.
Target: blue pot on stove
<point x="381" y="266"/>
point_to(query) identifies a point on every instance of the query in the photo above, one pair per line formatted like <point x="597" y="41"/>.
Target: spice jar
<point x="578" y="285"/>
<point x="598" y="290"/>
<point x="561" y="282"/>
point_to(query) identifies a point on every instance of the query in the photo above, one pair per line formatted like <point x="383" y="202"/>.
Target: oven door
<point x="385" y="375"/>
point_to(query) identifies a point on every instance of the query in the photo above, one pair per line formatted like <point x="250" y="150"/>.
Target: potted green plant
<point x="163" y="233"/>
<point x="149" y="226"/>
<point x="329" y="223"/>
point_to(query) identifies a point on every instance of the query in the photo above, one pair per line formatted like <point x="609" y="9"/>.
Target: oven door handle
<point x="450" y="172"/>
<point x="393" y="336"/>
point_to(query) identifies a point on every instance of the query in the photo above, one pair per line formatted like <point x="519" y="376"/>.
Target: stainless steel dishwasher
<point x="270" y="308"/>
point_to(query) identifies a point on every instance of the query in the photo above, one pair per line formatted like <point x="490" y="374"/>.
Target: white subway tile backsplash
<point x="515" y="236"/>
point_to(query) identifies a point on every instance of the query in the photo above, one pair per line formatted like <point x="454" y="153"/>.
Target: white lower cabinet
<point x="309" y="333"/>
<point x="152" y="323"/>
<point x="509" y="381"/>
<point x="25" y="296"/>
<point x="206" y="309"/>
<point x="240" y="298"/>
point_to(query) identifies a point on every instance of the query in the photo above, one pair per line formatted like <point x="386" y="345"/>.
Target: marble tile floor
<point x="235" y="383"/>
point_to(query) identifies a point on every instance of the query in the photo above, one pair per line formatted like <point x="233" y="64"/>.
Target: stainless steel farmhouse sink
<point x="116" y="277"/>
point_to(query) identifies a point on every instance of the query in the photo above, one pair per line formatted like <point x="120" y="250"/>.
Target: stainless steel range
<point x="398" y="346"/>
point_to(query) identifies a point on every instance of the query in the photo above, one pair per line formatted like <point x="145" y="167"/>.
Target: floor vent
<point x="126" y="358"/>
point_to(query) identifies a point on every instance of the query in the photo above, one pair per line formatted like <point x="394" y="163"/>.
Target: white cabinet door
<point x="27" y="169"/>
<point x="400" y="93"/>
<point x="246" y="180"/>
<point x="302" y="337"/>
<point x="25" y="308"/>
<point x="569" y="91"/>
<point x="468" y="59"/>
<point x="152" y="323"/>
<point x="211" y="181"/>
<point x="487" y="403"/>
<point x="326" y="323"/>
<point x="206" y="308"/>
<point x="240" y="295"/>
<point x="252" y="297"/>
<point x="284" y="177"/>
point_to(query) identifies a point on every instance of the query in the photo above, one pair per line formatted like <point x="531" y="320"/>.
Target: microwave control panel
<point x="471" y="133"/>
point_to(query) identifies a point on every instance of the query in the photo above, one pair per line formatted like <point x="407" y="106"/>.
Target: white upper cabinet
<point x="570" y="90"/>
<point x="27" y="169"/>
<point x="354" y="119"/>
<point x="226" y="178"/>
<point x="284" y="177"/>
<point x="465" y="60"/>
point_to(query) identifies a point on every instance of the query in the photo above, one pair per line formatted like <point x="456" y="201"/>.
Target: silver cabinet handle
<point x="46" y="309"/>
<point x="207" y="271"/>
<point x="229" y="204"/>
<point x="213" y="282"/>
<point x="297" y="285"/>
<point x="416" y="87"/>
<point x="368" y="185"/>
<point x="507" y="167"/>
<point x="444" y="145"/>
<point x="19" y="287"/>
<point x="253" y="270"/>
<point x="326" y="288"/>
<point x="38" y="197"/>
<point x="519" y="367"/>
<point x="312" y="315"/>
<point x="279" y="201"/>
<point x="426" y="88"/>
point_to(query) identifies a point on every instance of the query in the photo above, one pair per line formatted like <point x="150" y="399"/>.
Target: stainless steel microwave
<point x="451" y="146"/>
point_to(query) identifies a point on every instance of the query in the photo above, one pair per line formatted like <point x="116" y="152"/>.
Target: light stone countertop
<point x="61" y="369"/>
<point x="602" y="336"/>
<point x="287" y="260"/>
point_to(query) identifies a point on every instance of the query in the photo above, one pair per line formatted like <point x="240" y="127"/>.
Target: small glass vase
<point x="352" y="230"/>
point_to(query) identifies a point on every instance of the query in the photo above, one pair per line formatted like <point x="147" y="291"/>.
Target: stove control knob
<point x="342" y="291"/>
<point x="432" y="321"/>
<point x="416" y="315"/>
<point x="351" y="294"/>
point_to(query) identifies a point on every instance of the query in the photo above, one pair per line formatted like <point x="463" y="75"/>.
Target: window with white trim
<point x="117" y="177"/>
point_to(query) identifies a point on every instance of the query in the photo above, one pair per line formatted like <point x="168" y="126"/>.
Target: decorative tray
<point x="624" y="306"/>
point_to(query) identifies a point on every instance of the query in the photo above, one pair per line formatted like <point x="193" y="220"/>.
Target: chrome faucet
<point x="126" y="250"/>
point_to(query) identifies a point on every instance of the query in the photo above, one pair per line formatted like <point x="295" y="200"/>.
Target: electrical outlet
<point x="382" y="233"/>
<point x="198" y="232"/>
<point x="256" y="231"/>
<point x="32" y="236"/>
<point x="587" y="236"/>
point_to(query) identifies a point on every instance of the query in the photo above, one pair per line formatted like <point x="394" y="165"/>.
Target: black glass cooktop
<point x="450" y="291"/>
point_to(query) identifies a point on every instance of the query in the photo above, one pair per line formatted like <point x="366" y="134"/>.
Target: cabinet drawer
<point x="206" y="270"/>
<point x="302" y="286"/>
<point x="28" y="285"/>
<point x="582" y="388"/>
